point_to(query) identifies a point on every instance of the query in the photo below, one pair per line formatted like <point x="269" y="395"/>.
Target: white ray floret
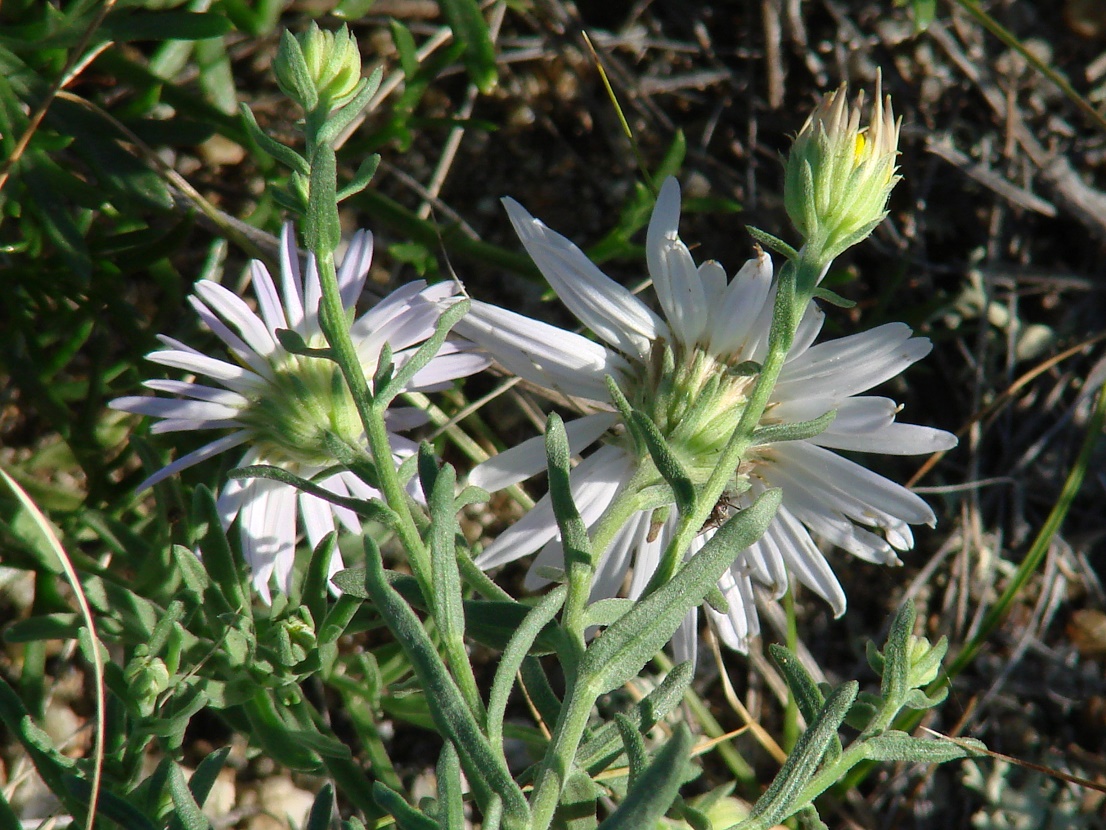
<point x="712" y="328"/>
<point x="280" y="406"/>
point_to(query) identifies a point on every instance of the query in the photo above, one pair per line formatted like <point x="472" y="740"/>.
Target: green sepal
<point x="670" y="468"/>
<point x="303" y="90"/>
<point x="340" y="119"/>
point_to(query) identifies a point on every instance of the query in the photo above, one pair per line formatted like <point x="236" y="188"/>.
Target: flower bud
<point x="839" y="175"/>
<point x="146" y="679"/>
<point x="319" y="69"/>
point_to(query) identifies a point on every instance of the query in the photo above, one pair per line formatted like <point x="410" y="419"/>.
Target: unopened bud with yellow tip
<point x="840" y="174"/>
<point x="319" y="70"/>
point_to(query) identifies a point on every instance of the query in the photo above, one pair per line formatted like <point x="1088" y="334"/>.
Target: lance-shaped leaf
<point x="603" y="747"/>
<point x="491" y="622"/>
<point x="397" y="383"/>
<point x="470" y="28"/>
<point x="801" y="431"/>
<point x="574" y="533"/>
<point x="187" y="812"/>
<point x="808" y="697"/>
<point x="618" y="655"/>
<point x="780" y="799"/>
<point x="226" y="573"/>
<point x="406" y="816"/>
<point x="451" y="801"/>
<point x="486" y="773"/>
<point x="511" y="660"/>
<point x="656" y="788"/>
<point x="899" y="746"/>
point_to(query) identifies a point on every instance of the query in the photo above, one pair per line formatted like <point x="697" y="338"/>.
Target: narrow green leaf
<point x="775" y="433"/>
<point x="772" y="243"/>
<point x="577" y="808"/>
<point x="634" y="747"/>
<point x="513" y="656"/>
<point x="322" y="811"/>
<point x="422" y="356"/>
<point x="630" y="643"/>
<point x="451" y="801"/>
<point x="899" y="746"/>
<point x="896" y="657"/>
<point x="486" y="773"/>
<point x="226" y="572"/>
<point x="656" y="787"/>
<point x="406" y="816"/>
<point x="808" y="697"/>
<point x="285" y="155"/>
<point x="778" y="801"/>
<point x="574" y="533"/>
<point x="601" y="749"/>
<point x="191" y="569"/>
<point x="340" y="119"/>
<point x="207" y="771"/>
<point x="187" y="814"/>
<point x="470" y="28"/>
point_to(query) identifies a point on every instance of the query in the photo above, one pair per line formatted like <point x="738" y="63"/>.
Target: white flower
<point x="280" y="406"/>
<point x="690" y="372"/>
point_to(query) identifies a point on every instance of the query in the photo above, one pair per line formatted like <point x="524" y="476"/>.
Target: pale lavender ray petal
<point x="675" y="277"/>
<point x="175" y="408"/>
<point x="528" y="458"/>
<point x="685" y="642"/>
<point x="806" y="561"/>
<point x="291" y="284"/>
<point x="237" y="346"/>
<point x="857" y="483"/>
<point x="355" y="267"/>
<point x="740" y="319"/>
<point x="196" y="456"/>
<point x="440" y="372"/>
<point x="237" y="378"/>
<point x="840" y="368"/>
<point x="713" y="277"/>
<point x="601" y="304"/>
<point x="192" y="424"/>
<point x="196" y="391"/>
<point x="312" y="296"/>
<point x="235" y="311"/>
<point x="542" y="353"/>
<point x="594" y="483"/>
<point x="268" y="300"/>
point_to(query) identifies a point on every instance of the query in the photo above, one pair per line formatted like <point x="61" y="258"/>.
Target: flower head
<point x="690" y="372"/>
<point x="839" y="175"/>
<point x="282" y="406"/>
<point x="319" y="69"/>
